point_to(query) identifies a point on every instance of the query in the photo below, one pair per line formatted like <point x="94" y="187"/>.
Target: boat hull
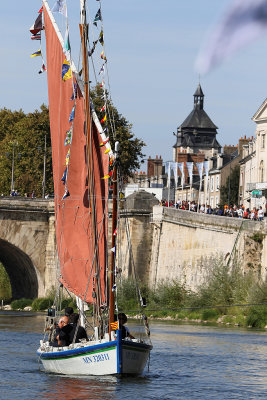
<point x="110" y="358"/>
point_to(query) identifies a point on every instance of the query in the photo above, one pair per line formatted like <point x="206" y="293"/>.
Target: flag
<point x="109" y="175"/>
<point x="181" y="168"/>
<point x="43" y="69"/>
<point x="101" y="38"/>
<point x="36" y="36"/>
<point x="72" y="114"/>
<point x="103" y="143"/>
<point x="90" y="52"/>
<point x="111" y="161"/>
<point x="206" y="167"/>
<point x="64" y="176"/>
<point x="74" y="93"/>
<point x="68" y="137"/>
<point x="115" y="232"/>
<point x="113" y="249"/>
<point x="37" y="26"/>
<point x="103" y="56"/>
<point x="189" y="166"/>
<point x="107" y="151"/>
<point x="103" y="108"/>
<point x="66" y="70"/>
<point x="66" y="194"/>
<point x="200" y="172"/>
<point x="114" y="326"/>
<point x="36" y="53"/>
<point x="245" y="21"/>
<point x="66" y="45"/>
<point x="61" y="7"/>
<point x="104" y="119"/>
<point x="67" y="158"/>
<point x="102" y="84"/>
<point x="102" y="69"/>
<point x="98" y="17"/>
<point x="41" y="10"/>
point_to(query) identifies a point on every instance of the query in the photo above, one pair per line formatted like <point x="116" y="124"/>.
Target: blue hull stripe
<point x="76" y="352"/>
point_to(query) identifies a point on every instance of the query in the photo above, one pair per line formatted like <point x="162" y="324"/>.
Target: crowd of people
<point x="255" y="214"/>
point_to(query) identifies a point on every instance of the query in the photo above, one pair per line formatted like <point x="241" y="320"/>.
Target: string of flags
<point x="35" y="30"/>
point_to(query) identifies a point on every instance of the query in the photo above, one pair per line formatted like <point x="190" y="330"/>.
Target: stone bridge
<point x="27" y="245"/>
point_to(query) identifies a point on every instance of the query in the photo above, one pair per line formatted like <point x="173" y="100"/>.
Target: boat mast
<point x="84" y="37"/>
<point x="114" y="226"/>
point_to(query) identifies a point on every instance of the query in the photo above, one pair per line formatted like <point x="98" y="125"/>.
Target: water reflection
<point x="70" y="388"/>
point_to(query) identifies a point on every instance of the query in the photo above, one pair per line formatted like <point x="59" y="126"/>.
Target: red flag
<point x="109" y="175"/>
<point x="103" y="143"/>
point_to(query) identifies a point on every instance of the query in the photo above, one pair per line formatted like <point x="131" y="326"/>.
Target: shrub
<point x="210" y="314"/>
<point x="257" y="317"/>
<point x="21" y="303"/>
<point x="41" y="304"/>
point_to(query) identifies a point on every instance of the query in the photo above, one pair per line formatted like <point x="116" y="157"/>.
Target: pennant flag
<point x="43" y="69"/>
<point x="107" y="151"/>
<point x="64" y="176"/>
<point x="114" y="326"/>
<point x="90" y="52"/>
<point x="66" y="194"/>
<point x="103" y="143"/>
<point x="66" y="70"/>
<point x="61" y="7"/>
<point x="115" y="232"/>
<point x="109" y="175"/>
<point x="111" y="160"/>
<point x="103" y="56"/>
<point x="41" y="10"/>
<point x="101" y="37"/>
<point x="67" y="158"/>
<point x="102" y="69"/>
<point x="72" y="114"/>
<point x="102" y="84"/>
<point x="37" y="36"/>
<point x="244" y="22"/>
<point x="104" y="119"/>
<point x="114" y="287"/>
<point x="113" y="249"/>
<point x="103" y="108"/>
<point x="36" y="53"/>
<point x="37" y="26"/>
<point x="66" y="45"/>
<point x="68" y="137"/>
<point x="74" y="94"/>
<point x="98" y="17"/>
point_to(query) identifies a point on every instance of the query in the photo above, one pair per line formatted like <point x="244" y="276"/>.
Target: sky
<point x="151" y="46"/>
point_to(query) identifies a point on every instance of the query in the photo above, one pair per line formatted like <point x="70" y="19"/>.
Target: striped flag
<point x="114" y="325"/>
<point x="36" y="53"/>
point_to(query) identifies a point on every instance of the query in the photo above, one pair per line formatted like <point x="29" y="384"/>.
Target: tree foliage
<point x="130" y="147"/>
<point x="22" y="139"/>
<point x="229" y="192"/>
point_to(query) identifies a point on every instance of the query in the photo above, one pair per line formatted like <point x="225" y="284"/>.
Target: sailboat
<point x="82" y="171"/>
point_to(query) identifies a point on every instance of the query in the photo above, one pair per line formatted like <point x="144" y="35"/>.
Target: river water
<point x="187" y="362"/>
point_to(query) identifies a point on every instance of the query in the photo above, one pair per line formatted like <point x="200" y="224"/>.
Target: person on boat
<point x="63" y="337"/>
<point x="78" y="332"/>
<point x="125" y="333"/>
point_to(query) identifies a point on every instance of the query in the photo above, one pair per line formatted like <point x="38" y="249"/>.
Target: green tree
<point x="131" y="155"/>
<point x="229" y="192"/>
<point x="22" y="137"/>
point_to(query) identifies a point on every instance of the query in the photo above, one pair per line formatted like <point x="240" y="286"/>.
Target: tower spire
<point x="199" y="98"/>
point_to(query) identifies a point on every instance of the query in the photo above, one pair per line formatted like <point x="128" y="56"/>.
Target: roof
<point x="198" y="118"/>
<point x="199" y="91"/>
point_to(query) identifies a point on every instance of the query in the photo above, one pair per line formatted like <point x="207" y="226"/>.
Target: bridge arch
<point x="20" y="269"/>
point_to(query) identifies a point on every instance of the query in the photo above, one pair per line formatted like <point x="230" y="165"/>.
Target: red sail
<point x="74" y="229"/>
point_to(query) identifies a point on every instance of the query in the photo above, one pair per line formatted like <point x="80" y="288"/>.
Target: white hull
<point x="96" y="358"/>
